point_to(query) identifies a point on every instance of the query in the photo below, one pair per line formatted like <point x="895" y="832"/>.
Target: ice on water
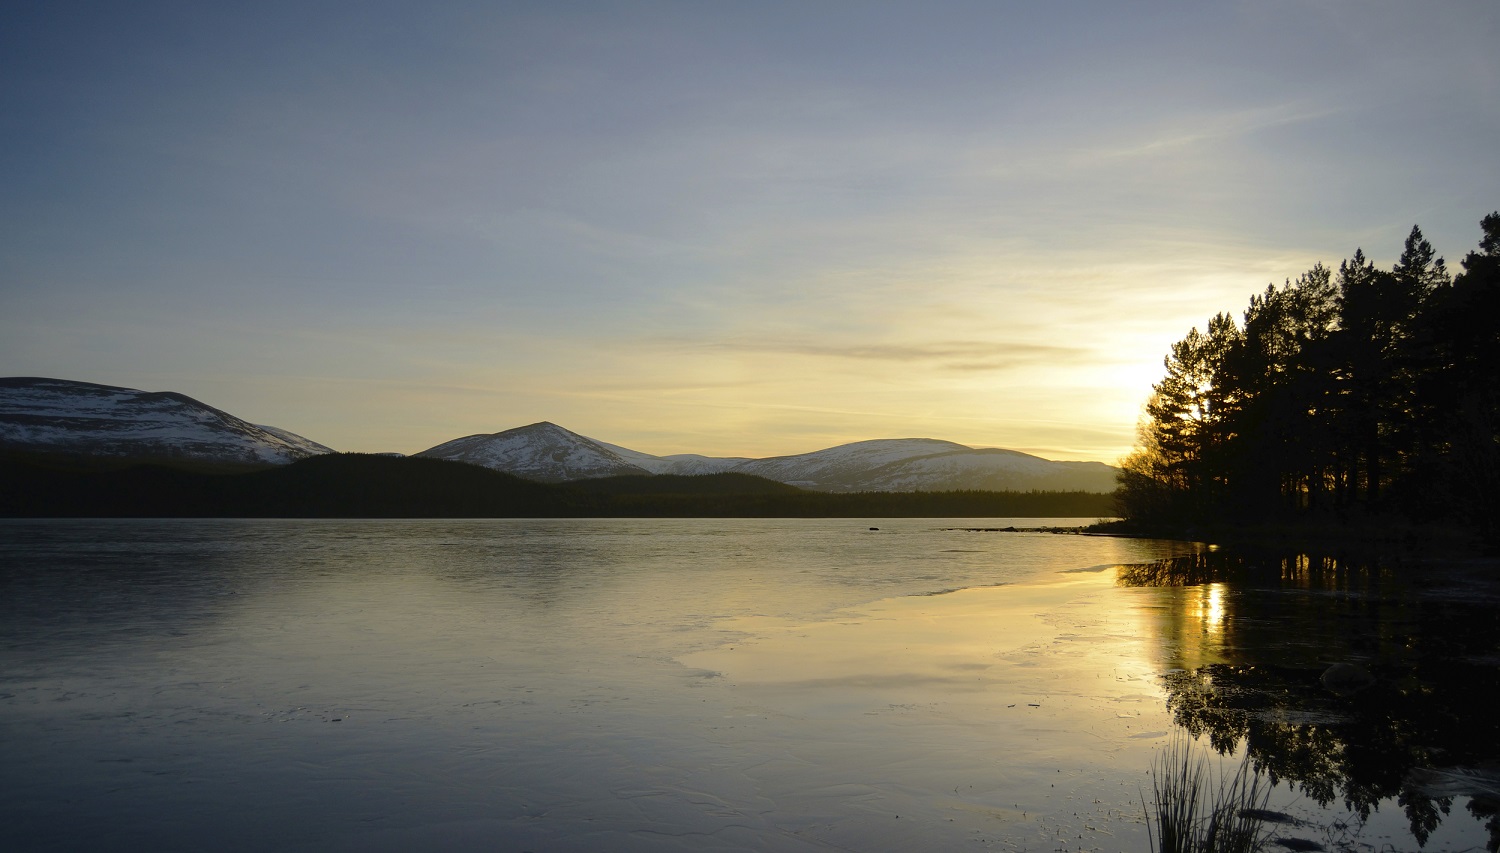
<point x="571" y="685"/>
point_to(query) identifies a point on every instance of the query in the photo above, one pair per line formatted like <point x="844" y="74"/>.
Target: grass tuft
<point x="1200" y="811"/>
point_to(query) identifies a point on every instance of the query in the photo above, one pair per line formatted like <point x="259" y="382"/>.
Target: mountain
<point x="40" y="415"/>
<point x="544" y="452"/>
<point x="692" y="464"/>
<point x="310" y="447"/>
<point x="925" y="464"/>
<point x="685" y="464"/>
<point x="838" y="468"/>
<point x="550" y="453"/>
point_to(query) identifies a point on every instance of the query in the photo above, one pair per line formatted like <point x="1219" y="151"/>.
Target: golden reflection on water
<point x="1213" y="609"/>
<point x="1192" y="625"/>
<point x="1209" y="608"/>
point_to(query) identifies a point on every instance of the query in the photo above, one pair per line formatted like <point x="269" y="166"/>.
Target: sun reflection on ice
<point x="1213" y="609"/>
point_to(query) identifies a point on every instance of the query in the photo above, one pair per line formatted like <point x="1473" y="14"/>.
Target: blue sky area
<point x="728" y="228"/>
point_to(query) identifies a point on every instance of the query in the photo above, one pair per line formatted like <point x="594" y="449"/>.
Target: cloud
<point x="944" y="355"/>
<point x="1178" y="132"/>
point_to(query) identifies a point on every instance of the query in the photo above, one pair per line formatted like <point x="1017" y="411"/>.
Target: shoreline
<point x="1394" y="537"/>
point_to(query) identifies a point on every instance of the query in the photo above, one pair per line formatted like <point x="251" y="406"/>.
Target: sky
<point x="737" y="229"/>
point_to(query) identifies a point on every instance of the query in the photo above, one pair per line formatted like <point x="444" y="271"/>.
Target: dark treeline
<point x="349" y="485"/>
<point x="1346" y="396"/>
<point x="805" y="504"/>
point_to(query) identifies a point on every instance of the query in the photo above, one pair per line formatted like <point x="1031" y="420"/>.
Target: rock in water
<point x="1346" y="678"/>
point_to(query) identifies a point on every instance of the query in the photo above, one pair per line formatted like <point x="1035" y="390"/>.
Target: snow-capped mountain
<point x="677" y="463"/>
<point x="689" y="464"/>
<point x="550" y="453"/>
<point x="543" y="451"/>
<point x="925" y="464"/>
<point x="60" y="416"/>
<point x="310" y="447"/>
<point x="831" y="469"/>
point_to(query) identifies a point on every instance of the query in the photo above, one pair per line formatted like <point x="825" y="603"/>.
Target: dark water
<point x="1361" y="682"/>
<point x="705" y="684"/>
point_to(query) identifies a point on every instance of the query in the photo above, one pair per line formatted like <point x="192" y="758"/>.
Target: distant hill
<point x="39" y="415"/>
<point x="549" y="453"/>
<point x="925" y="464"/>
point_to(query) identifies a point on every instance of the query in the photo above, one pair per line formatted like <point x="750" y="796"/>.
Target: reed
<point x="1197" y="810"/>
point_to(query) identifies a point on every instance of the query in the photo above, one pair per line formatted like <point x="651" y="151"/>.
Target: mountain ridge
<point x="41" y="415"/>
<point x="551" y="453"/>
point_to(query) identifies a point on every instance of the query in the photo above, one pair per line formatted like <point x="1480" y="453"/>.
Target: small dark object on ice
<point x="1346" y="678"/>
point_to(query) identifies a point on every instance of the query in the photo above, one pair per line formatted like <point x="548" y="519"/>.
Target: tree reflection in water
<point x="1355" y="679"/>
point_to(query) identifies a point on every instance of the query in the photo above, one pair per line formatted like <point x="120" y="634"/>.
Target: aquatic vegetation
<point x="1199" y="809"/>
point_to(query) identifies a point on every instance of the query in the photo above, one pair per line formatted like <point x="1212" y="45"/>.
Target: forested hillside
<point x="351" y="485"/>
<point x="1344" y="396"/>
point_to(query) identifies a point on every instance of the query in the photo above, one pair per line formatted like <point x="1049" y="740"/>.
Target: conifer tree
<point x="1339" y="395"/>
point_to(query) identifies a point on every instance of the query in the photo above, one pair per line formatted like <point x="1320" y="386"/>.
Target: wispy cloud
<point x="947" y="355"/>
<point x="1180" y="132"/>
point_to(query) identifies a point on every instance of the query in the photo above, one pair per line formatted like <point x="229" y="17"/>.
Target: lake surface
<point x="703" y="684"/>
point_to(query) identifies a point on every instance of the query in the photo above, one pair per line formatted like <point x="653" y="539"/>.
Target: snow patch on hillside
<point x="61" y="416"/>
<point x="542" y="451"/>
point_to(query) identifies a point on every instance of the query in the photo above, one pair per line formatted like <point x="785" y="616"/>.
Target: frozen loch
<point x="595" y="685"/>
